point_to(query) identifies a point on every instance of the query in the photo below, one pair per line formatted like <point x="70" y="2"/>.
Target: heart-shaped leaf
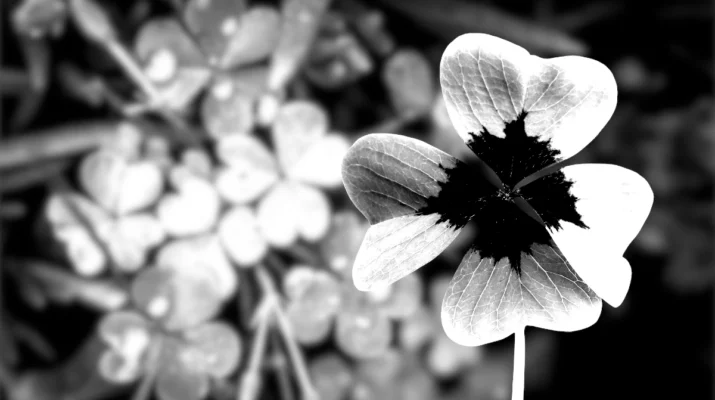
<point x="226" y="110"/>
<point x="398" y="183"/>
<point x="487" y="302"/>
<point x="291" y="210"/>
<point x="410" y="83"/>
<point x="128" y="337"/>
<point x="204" y="253"/>
<point x="118" y="185"/>
<point x="301" y="20"/>
<point x="83" y="252"/>
<point x="193" y="210"/>
<point x="213" y="348"/>
<point x="520" y="113"/>
<point x="241" y="236"/>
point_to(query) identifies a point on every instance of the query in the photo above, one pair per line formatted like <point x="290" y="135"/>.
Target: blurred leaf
<point x="410" y="83"/>
<point x="213" y="23"/>
<point x="301" y="20"/>
<point x="178" y="298"/>
<point x="254" y="38"/>
<point x="193" y="209"/>
<point x="291" y="210"/>
<point x="176" y="381"/>
<point x="128" y="336"/>
<point x="226" y="110"/>
<point x="118" y="185"/>
<point x="404" y="297"/>
<point x="36" y="18"/>
<point x="331" y="376"/>
<point x="203" y="253"/>
<point x="130" y="238"/>
<point x="93" y="21"/>
<point x="38" y="59"/>
<point x="167" y="34"/>
<point x="185" y="86"/>
<point x="418" y="329"/>
<point x="309" y="327"/>
<point x="305" y="150"/>
<point x="213" y="348"/>
<point x="241" y="236"/>
<point x="362" y="332"/>
<point x="342" y="242"/>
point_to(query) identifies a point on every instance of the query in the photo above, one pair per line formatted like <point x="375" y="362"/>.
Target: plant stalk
<point x="517" y="383"/>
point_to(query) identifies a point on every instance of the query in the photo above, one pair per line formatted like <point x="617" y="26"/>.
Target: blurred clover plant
<point x="550" y="241"/>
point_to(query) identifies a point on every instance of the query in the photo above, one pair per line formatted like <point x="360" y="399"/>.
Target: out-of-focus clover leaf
<point x="314" y="298"/>
<point x="183" y="363"/>
<point x="241" y="236"/>
<point x="87" y="232"/>
<point x="291" y="210"/>
<point x="172" y="61"/>
<point x="249" y="169"/>
<point x="37" y="18"/>
<point x="231" y="36"/>
<point x="118" y="184"/>
<point x="362" y="331"/>
<point x="198" y="162"/>
<point x="305" y="149"/>
<point x="178" y="298"/>
<point x="308" y="156"/>
<point x="401" y="300"/>
<point x="128" y="336"/>
<point x="342" y="242"/>
<point x="227" y="110"/>
<point x="337" y="61"/>
<point x="331" y="375"/>
<point x="193" y="208"/>
<point x="409" y="80"/>
<point x="204" y="253"/>
<point x="301" y="21"/>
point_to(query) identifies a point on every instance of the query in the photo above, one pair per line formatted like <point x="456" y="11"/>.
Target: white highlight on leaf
<point x="398" y="246"/>
<point x="614" y="203"/>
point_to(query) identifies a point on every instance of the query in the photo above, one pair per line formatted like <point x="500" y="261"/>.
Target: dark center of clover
<point x="509" y="220"/>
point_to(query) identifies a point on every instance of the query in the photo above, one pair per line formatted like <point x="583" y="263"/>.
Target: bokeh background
<point x="173" y="225"/>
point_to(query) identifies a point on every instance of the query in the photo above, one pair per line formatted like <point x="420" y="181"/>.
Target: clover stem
<point x="250" y="380"/>
<point x="517" y="383"/>
<point x="143" y="392"/>
<point x="294" y="353"/>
